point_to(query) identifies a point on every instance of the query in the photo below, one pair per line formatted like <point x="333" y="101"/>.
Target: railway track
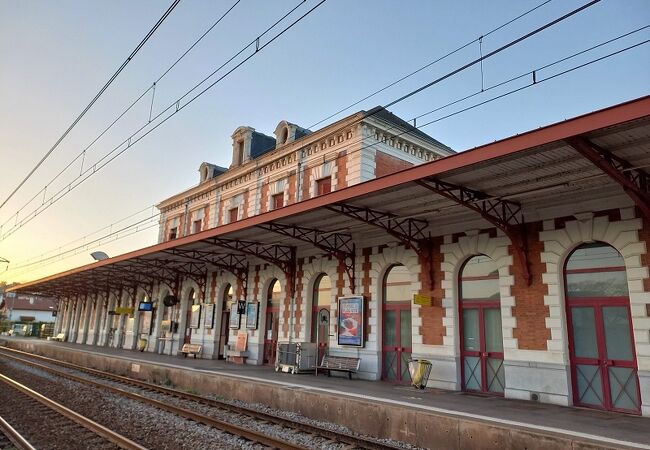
<point x="11" y="439"/>
<point x="67" y="422"/>
<point x="168" y="399"/>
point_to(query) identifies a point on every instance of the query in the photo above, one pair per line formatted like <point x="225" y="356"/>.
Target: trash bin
<point x="419" y="370"/>
<point x="142" y="344"/>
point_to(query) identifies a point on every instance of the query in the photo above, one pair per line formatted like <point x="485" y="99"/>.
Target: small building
<point x="24" y="309"/>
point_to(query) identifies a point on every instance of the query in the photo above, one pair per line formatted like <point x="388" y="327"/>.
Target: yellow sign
<point x="422" y="300"/>
<point x="124" y="310"/>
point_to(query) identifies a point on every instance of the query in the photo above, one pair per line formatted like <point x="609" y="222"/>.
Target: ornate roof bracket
<point x="233" y="263"/>
<point x="335" y="244"/>
<point x="409" y="231"/>
<point x="503" y="214"/>
<point x="282" y="256"/>
<point x="635" y="182"/>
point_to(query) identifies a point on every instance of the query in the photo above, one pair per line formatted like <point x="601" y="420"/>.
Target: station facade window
<point x="233" y="215"/>
<point x="277" y="201"/>
<point x="324" y="186"/>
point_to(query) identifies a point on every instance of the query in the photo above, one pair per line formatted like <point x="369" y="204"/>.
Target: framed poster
<point x="350" y="321"/>
<point x="145" y="320"/>
<point x="195" y="320"/>
<point x="235" y="320"/>
<point x="208" y="315"/>
<point x="252" y="313"/>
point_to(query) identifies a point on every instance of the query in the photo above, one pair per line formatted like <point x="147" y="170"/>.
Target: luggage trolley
<point x="296" y="357"/>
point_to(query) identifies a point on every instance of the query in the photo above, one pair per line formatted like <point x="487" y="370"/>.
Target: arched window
<point x="397" y="329"/>
<point x="274" y="295"/>
<point x="601" y="342"/>
<point x="480" y="326"/>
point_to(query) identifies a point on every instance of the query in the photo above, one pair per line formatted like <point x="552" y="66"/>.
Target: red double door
<point x="482" y="347"/>
<point x="396" y="345"/>
<point x="603" y="360"/>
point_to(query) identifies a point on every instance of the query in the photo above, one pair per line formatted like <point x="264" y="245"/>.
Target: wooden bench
<point x="191" y="349"/>
<point x="340" y="364"/>
<point x="59" y="337"/>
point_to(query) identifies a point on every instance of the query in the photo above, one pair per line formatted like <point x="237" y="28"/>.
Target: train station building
<point x="519" y="268"/>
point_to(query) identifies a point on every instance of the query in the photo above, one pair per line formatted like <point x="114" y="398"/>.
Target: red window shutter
<point x="278" y="200"/>
<point x="324" y="186"/>
<point x="233" y="215"/>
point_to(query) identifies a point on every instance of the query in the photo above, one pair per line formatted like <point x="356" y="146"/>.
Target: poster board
<point x="350" y="321"/>
<point x="195" y="319"/>
<point x="234" y="320"/>
<point x="242" y="341"/>
<point x="252" y="314"/>
<point x="208" y="316"/>
<point x="145" y="318"/>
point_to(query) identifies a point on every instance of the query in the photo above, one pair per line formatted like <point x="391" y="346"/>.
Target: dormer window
<point x="240" y="152"/>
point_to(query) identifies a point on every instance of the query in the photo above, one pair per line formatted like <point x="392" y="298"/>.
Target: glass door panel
<point x="618" y="337"/>
<point x="624" y="389"/>
<point x="390" y="365"/>
<point x="585" y="341"/>
<point x="471" y="339"/>
<point x="590" y="384"/>
<point x="390" y="328"/>
<point x="493" y="332"/>
<point x="472" y="375"/>
<point x="496" y="378"/>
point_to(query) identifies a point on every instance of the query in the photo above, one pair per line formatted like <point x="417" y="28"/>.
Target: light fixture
<point x="99" y="256"/>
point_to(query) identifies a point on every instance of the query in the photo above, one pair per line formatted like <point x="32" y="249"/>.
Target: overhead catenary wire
<point x="539" y="81"/>
<point x="175" y="107"/>
<point x="93" y="101"/>
<point x="129" y="142"/>
<point x="431" y="63"/>
<point x="152" y="87"/>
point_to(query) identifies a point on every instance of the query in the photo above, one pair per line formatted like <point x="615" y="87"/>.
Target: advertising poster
<point x="350" y="321"/>
<point x="145" y="318"/>
<point x="208" y="316"/>
<point x="234" y="320"/>
<point x="252" y="309"/>
<point x="195" y="321"/>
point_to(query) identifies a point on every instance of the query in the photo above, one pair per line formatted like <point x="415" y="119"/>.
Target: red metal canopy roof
<point x="499" y="184"/>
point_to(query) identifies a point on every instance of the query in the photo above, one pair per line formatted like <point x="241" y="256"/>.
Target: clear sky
<point x="54" y="57"/>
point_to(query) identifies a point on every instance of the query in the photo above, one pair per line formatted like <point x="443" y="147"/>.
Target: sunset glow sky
<point x="54" y="57"/>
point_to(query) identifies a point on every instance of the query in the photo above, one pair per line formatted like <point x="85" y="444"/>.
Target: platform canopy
<point x="506" y="184"/>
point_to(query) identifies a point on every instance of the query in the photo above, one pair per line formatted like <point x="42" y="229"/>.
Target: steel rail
<point x="245" y="433"/>
<point x="350" y="439"/>
<point x="110" y="435"/>
<point x="14" y="436"/>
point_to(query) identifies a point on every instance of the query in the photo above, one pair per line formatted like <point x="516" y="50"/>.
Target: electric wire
<point x="129" y="142"/>
<point x="429" y="64"/>
<point x="93" y="101"/>
<point x="82" y="153"/>
<point x="564" y="72"/>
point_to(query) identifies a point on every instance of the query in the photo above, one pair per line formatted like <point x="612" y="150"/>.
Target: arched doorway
<point x="226" y="302"/>
<point x="601" y="341"/>
<point x="192" y="299"/>
<point x="480" y="327"/>
<point x="397" y="330"/>
<point x="320" y="313"/>
<point x="273" y="299"/>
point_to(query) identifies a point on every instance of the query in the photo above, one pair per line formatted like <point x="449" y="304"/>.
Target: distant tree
<point x="5" y="324"/>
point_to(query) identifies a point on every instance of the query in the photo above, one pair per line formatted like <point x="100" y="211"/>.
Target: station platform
<point x="427" y="418"/>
